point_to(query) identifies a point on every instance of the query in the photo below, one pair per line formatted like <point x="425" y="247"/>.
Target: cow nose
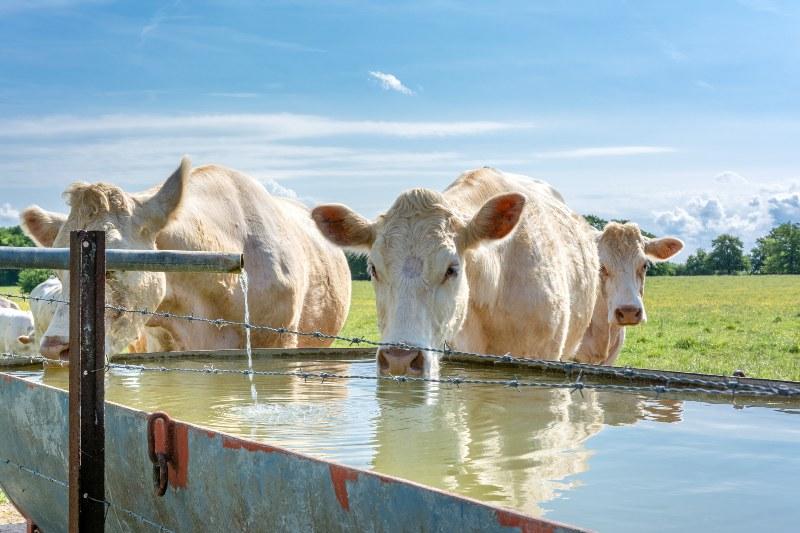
<point x="400" y="362"/>
<point x="628" y="315"/>
<point x="54" y="347"/>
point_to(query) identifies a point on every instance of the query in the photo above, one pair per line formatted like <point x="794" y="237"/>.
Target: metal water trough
<point x="217" y="482"/>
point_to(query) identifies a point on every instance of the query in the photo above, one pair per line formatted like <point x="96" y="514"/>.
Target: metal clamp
<point x="160" y="447"/>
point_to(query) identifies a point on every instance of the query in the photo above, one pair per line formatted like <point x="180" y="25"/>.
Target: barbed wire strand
<point x="730" y="385"/>
<point x="577" y="385"/>
<point x="109" y="505"/>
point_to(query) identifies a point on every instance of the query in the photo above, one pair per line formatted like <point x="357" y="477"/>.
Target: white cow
<point x="450" y="267"/>
<point x="624" y="257"/>
<point x="16" y="329"/>
<point x="43" y="311"/>
<point x="7" y="304"/>
<point x="297" y="279"/>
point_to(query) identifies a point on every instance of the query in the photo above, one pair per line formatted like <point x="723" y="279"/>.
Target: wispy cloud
<point x="266" y="126"/>
<point x="234" y="95"/>
<point x="390" y="82"/>
<point x="605" y="151"/>
<point x="7" y="6"/>
<point x="157" y="19"/>
<point x="8" y="215"/>
<point x="764" y="6"/>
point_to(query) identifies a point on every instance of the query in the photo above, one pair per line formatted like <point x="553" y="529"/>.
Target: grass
<point x="3" y="499"/>
<point x="13" y="289"/>
<point x="708" y="324"/>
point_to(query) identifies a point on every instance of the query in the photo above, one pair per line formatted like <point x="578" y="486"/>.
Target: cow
<point x="625" y="255"/>
<point x="7" y="304"/>
<point x="297" y="279"/>
<point x="497" y="263"/>
<point x="43" y="311"/>
<point x="16" y="330"/>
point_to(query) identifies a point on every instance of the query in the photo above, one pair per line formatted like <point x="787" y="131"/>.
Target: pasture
<point x="709" y="324"/>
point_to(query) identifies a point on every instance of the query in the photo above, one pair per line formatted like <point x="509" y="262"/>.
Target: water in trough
<point x="607" y="461"/>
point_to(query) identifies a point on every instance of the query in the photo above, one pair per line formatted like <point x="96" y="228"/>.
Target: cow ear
<point x="40" y="225"/>
<point x="25" y="339"/>
<point x="155" y="211"/>
<point x="663" y="248"/>
<point x="495" y="219"/>
<point x="344" y="227"/>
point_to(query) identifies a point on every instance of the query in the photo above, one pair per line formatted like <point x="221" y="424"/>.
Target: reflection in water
<point x="553" y="452"/>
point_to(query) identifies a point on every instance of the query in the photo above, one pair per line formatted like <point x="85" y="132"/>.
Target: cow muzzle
<point x="400" y="362"/>
<point x="628" y="315"/>
<point x="54" y="347"/>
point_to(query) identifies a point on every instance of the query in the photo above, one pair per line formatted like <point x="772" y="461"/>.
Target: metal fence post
<point x="86" y="381"/>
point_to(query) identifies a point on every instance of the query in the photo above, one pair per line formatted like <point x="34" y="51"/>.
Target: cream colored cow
<point x="624" y="256"/>
<point x="297" y="279"/>
<point x="497" y="263"/>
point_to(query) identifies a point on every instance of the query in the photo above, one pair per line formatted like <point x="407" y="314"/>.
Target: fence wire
<point x="108" y="505"/>
<point x="669" y="383"/>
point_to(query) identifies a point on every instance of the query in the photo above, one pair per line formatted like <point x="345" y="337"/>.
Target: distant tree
<point x="697" y="264"/>
<point x="31" y="277"/>
<point x="12" y="236"/>
<point x="663" y="269"/>
<point x="727" y="255"/>
<point x="779" y="251"/>
<point x="358" y="266"/>
<point x="596" y="222"/>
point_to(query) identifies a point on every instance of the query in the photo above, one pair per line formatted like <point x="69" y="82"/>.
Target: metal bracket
<point x="161" y="448"/>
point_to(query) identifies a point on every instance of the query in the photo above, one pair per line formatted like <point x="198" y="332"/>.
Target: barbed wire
<point x="577" y="385"/>
<point x="109" y="505"/>
<point x="733" y="384"/>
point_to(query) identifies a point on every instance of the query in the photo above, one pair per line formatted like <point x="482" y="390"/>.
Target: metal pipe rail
<point x="131" y="260"/>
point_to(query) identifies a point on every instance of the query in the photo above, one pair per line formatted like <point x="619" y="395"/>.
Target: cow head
<point x="624" y="258"/>
<point x="416" y="259"/>
<point x="131" y="221"/>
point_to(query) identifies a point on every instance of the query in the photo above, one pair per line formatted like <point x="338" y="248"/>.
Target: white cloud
<point x="8" y="215"/>
<point x="278" y="126"/>
<point x="390" y="82"/>
<point x="606" y="151"/>
<point x="738" y="206"/>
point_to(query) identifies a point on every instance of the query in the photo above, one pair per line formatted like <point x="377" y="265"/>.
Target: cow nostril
<point x="639" y="313"/>
<point x="418" y="363"/>
<point x="620" y="315"/>
<point x="383" y="363"/>
<point x="64" y="354"/>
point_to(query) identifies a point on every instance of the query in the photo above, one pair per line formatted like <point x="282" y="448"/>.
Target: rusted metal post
<point x="86" y="381"/>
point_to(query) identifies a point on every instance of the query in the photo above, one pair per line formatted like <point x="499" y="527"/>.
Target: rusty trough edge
<point x="340" y="474"/>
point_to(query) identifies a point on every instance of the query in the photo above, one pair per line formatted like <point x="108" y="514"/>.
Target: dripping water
<point x="244" y="284"/>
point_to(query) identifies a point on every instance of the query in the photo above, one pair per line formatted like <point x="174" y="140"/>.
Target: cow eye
<point x="603" y="271"/>
<point x="372" y="272"/>
<point x="451" y="272"/>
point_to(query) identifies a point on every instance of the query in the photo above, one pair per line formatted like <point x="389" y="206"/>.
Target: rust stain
<point x="339" y="476"/>
<point x="250" y="446"/>
<point x="524" y="523"/>
<point x="179" y="466"/>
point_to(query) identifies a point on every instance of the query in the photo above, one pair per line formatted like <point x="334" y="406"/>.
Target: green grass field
<point x="713" y="324"/>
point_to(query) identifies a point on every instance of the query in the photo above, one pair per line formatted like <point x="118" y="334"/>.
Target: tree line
<point x="28" y="278"/>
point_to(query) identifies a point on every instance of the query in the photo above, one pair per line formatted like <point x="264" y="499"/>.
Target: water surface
<point x="603" y="460"/>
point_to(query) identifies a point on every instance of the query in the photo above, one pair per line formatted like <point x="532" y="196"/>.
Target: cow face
<point x="130" y="222"/>
<point x="416" y="257"/>
<point x="624" y="257"/>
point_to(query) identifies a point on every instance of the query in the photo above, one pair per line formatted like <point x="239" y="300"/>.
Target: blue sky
<point x="683" y="116"/>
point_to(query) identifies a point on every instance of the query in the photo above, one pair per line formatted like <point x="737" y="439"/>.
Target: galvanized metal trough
<point x="217" y="482"/>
